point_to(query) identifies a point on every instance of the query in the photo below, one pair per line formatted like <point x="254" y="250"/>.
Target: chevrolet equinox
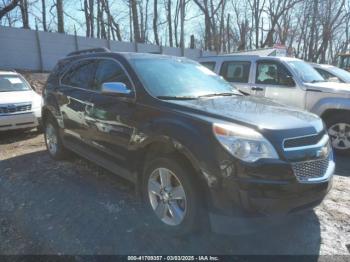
<point x="195" y="147"/>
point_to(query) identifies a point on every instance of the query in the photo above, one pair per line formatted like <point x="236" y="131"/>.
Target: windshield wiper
<point x="220" y="94"/>
<point x="177" y="97"/>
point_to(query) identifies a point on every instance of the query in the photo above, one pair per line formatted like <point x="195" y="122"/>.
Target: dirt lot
<point x="74" y="207"/>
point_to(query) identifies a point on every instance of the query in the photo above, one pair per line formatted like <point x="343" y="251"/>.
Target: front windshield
<point x="12" y="83"/>
<point x="170" y="77"/>
<point x="306" y="72"/>
<point x="344" y="75"/>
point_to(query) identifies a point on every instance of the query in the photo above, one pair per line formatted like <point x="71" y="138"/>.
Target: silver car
<point x="292" y="82"/>
<point x="332" y="73"/>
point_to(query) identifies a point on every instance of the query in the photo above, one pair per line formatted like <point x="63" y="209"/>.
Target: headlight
<point x="243" y="142"/>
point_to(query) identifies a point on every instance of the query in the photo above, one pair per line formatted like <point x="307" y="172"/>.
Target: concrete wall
<point x="39" y="51"/>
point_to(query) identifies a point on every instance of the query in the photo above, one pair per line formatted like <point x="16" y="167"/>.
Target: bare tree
<point x="135" y="20"/>
<point x="257" y="7"/>
<point x="168" y="6"/>
<point x="43" y="14"/>
<point x="275" y="9"/>
<point x="25" y="15"/>
<point x="155" y="21"/>
<point x="60" y="16"/>
<point x="210" y="9"/>
<point x="8" y="8"/>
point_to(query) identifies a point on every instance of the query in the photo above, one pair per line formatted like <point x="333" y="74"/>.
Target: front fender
<point x="330" y="103"/>
<point x="190" y="140"/>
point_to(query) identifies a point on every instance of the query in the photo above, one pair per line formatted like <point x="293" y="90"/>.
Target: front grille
<point x="304" y="171"/>
<point x="303" y="141"/>
<point x="15" y="108"/>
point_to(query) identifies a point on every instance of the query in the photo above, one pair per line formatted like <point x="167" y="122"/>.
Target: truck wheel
<point x="171" y="195"/>
<point x="53" y="140"/>
<point x="339" y="131"/>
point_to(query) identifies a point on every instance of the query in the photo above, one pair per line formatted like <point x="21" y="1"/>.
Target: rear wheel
<point x="172" y="196"/>
<point x="53" y="141"/>
<point x="339" y="131"/>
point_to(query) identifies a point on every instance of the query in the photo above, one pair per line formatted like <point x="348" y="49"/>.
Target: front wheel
<point x="53" y="141"/>
<point x="339" y="131"/>
<point x="172" y="196"/>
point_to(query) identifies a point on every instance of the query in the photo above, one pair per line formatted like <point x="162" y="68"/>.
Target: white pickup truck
<point x="292" y="82"/>
<point x="20" y="105"/>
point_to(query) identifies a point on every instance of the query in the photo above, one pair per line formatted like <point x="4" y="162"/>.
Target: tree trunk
<point x="43" y="14"/>
<point x="91" y="18"/>
<point x="87" y="18"/>
<point x="228" y="37"/>
<point x="60" y="16"/>
<point x="182" y="24"/>
<point x="170" y="27"/>
<point x="24" y="13"/>
<point x="311" y="54"/>
<point x="135" y="21"/>
<point x="192" y="45"/>
<point x="98" y="20"/>
<point x="155" y="22"/>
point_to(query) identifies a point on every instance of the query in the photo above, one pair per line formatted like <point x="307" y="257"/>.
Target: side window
<point x="326" y="75"/>
<point x="81" y="75"/>
<point x="236" y="71"/>
<point x="209" y="65"/>
<point x="110" y="71"/>
<point x="272" y="73"/>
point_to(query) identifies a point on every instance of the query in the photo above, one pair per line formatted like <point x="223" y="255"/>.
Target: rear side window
<point x="272" y="73"/>
<point x="209" y="65"/>
<point x="81" y="75"/>
<point x="236" y="71"/>
<point x="110" y="71"/>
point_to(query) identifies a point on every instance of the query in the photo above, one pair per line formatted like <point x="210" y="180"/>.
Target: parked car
<point x="292" y="82"/>
<point x="20" y="105"/>
<point x="332" y="73"/>
<point x="194" y="145"/>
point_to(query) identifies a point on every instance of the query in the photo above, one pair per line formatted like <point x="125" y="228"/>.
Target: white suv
<point x="20" y="105"/>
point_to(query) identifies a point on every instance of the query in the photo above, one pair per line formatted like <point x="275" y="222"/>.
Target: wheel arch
<point x="328" y="104"/>
<point x="166" y="146"/>
<point x="331" y="111"/>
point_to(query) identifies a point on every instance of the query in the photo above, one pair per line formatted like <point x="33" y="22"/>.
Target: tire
<point x="338" y="127"/>
<point x="53" y="141"/>
<point x="40" y="128"/>
<point x="180" y="216"/>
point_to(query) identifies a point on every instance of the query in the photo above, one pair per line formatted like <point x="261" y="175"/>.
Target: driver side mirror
<point x="116" y="88"/>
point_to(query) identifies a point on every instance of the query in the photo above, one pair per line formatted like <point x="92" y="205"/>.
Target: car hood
<point x="330" y="87"/>
<point x="20" y="97"/>
<point x="259" y="112"/>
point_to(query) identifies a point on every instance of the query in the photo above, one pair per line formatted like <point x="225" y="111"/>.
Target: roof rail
<point x="90" y="51"/>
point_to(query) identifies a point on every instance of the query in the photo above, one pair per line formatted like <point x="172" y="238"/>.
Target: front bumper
<point x="255" y="196"/>
<point x="20" y="121"/>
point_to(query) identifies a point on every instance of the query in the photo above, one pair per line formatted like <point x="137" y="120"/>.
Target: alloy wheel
<point x="51" y="139"/>
<point x="167" y="196"/>
<point x="340" y="135"/>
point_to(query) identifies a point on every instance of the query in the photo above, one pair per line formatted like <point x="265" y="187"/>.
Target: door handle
<point x="256" y="88"/>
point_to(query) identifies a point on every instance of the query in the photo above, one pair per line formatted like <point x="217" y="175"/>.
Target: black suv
<point x="197" y="149"/>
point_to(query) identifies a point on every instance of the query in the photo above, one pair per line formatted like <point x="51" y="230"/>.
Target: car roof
<point x="246" y="57"/>
<point x="3" y="72"/>
<point x="322" y="65"/>
<point x="126" y="55"/>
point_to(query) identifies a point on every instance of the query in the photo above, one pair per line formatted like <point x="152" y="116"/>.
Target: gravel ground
<point x="75" y="207"/>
